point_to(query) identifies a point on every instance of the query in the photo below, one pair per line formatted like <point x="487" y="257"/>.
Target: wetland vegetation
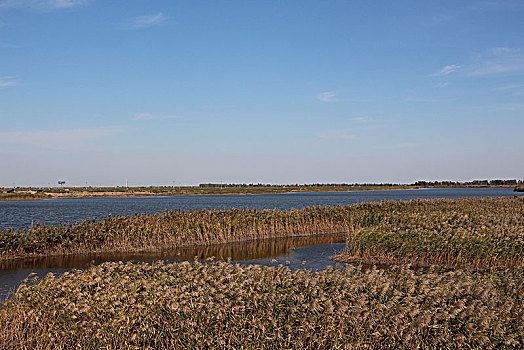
<point x="484" y="232"/>
<point x="219" y="305"/>
<point x="465" y="292"/>
<point x="168" y="229"/>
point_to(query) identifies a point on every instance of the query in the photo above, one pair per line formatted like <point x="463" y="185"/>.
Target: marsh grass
<point x="20" y="196"/>
<point x="478" y="233"/>
<point x="167" y="229"/>
<point x="220" y="305"/>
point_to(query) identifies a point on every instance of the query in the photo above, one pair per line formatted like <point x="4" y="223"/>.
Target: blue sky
<point x="184" y="92"/>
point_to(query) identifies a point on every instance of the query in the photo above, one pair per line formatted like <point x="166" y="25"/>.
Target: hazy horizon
<point x="232" y="184"/>
<point x="182" y="93"/>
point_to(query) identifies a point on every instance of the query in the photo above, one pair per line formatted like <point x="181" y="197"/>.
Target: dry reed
<point x="476" y="232"/>
<point x="484" y="232"/>
<point x="220" y="305"/>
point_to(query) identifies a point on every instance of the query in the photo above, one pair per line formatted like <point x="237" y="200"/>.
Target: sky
<point x="95" y="92"/>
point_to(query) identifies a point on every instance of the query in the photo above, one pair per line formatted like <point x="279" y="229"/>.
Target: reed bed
<point x="169" y="229"/>
<point x="484" y="232"/>
<point x="480" y="232"/>
<point x="219" y="305"/>
<point x="22" y="196"/>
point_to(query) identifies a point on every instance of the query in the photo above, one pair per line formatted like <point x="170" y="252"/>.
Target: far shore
<point x="97" y="192"/>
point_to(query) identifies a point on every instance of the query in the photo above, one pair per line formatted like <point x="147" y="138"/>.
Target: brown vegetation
<point x="219" y="305"/>
<point x="452" y="232"/>
<point x="142" y="232"/>
<point x="484" y="232"/>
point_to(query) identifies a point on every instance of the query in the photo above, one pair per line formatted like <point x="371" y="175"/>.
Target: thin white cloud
<point x="369" y="120"/>
<point x="495" y="61"/>
<point x="56" y="139"/>
<point x="338" y="134"/>
<point x="517" y="93"/>
<point x="441" y="84"/>
<point x="498" y="60"/>
<point x="399" y="146"/>
<point x="41" y="4"/>
<point x="446" y="70"/>
<point x="368" y="123"/>
<point x="142" y="22"/>
<point x="7" y="81"/>
<point x="440" y="18"/>
<point x="422" y="99"/>
<point x="509" y="87"/>
<point x="331" y="96"/>
<point x="506" y="51"/>
<point x="509" y="107"/>
<point x="360" y="119"/>
<point x="149" y="116"/>
<point x="495" y="68"/>
<point x="328" y="96"/>
<point x="512" y="89"/>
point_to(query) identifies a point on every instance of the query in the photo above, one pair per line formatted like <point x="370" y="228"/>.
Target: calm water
<point x="309" y="252"/>
<point x="312" y="253"/>
<point x="19" y="214"/>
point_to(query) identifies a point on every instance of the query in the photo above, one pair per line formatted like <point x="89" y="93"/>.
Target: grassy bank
<point x="484" y="232"/>
<point x="487" y="232"/>
<point x="218" y="305"/>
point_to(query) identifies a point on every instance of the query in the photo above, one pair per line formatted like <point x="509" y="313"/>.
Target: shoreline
<point x="31" y="194"/>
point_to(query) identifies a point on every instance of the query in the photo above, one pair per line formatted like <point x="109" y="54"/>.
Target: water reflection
<point x="243" y="251"/>
<point x="312" y="252"/>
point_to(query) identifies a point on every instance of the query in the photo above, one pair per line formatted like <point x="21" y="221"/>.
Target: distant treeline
<point x="474" y="183"/>
<point x="496" y="182"/>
